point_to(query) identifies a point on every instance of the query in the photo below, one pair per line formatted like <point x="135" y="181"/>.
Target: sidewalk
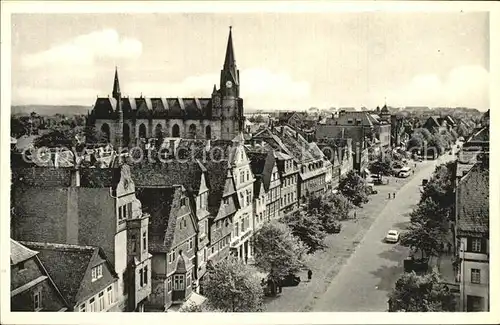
<point x="326" y="264"/>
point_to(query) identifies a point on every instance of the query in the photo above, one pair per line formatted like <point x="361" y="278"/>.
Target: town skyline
<point x="432" y="59"/>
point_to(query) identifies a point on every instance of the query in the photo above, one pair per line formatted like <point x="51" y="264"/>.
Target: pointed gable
<point x="70" y="268"/>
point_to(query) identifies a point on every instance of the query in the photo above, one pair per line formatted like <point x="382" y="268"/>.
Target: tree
<point x="421" y="293"/>
<point x="440" y="187"/>
<point x="277" y="251"/>
<point x="92" y="135"/>
<point x="353" y="187"/>
<point x="419" y="237"/>
<point x="426" y="134"/>
<point x="232" y="286"/>
<point x="383" y="165"/>
<point x="329" y="208"/>
<point x="308" y="228"/>
<point x="416" y="142"/>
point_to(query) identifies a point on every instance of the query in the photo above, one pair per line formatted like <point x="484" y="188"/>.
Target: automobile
<point x="425" y="181"/>
<point x="404" y="172"/>
<point x="371" y="189"/>
<point x="291" y="280"/>
<point x="392" y="236"/>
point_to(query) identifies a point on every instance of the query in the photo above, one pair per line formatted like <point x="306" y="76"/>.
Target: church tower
<point x="117" y="95"/>
<point x="232" y="119"/>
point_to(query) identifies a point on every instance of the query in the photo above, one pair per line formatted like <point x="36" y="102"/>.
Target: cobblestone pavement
<point x="327" y="264"/>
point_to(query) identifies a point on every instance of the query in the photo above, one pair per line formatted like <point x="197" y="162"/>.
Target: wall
<point x="50" y="299"/>
<point x="40" y="214"/>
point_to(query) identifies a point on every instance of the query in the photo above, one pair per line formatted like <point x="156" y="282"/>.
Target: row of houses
<point x="140" y="235"/>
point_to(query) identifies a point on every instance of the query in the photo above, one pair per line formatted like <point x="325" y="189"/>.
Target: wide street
<point x="369" y="275"/>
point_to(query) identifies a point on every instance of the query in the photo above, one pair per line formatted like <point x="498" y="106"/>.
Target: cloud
<point x="463" y="86"/>
<point x="84" y="50"/>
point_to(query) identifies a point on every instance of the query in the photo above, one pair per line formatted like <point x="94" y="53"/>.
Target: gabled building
<point x="435" y="124"/>
<point x="472" y="238"/>
<point x="289" y="176"/>
<point x="192" y="175"/>
<point x="31" y="286"/>
<point x="339" y="152"/>
<point x="265" y="171"/>
<point x="172" y="244"/>
<point x="83" y="274"/>
<point x="311" y="162"/>
<point x="127" y="121"/>
<point x="89" y="207"/>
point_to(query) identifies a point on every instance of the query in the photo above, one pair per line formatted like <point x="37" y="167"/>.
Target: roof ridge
<point x="58" y="246"/>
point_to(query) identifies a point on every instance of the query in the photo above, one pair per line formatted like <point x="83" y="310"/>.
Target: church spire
<point x="230" y="61"/>
<point x="116" y="86"/>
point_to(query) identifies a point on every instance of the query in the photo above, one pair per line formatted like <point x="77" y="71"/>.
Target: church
<point x="127" y="121"/>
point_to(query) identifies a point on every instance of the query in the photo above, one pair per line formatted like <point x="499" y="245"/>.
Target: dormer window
<point x="183" y="201"/>
<point x="96" y="272"/>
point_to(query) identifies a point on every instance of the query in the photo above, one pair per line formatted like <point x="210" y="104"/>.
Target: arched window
<point x="208" y="132"/>
<point x="105" y="131"/>
<point x="158" y="131"/>
<point x="142" y="131"/>
<point x="175" y="131"/>
<point x="192" y="131"/>
<point x="126" y="135"/>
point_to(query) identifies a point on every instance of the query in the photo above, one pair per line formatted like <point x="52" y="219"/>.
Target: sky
<point x="286" y="60"/>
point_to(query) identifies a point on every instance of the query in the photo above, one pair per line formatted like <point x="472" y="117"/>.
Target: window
<point x="185" y="222"/>
<point x="144" y="241"/>
<point x="476" y="245"/>
<point x="242" y="226"/>
<point x="146" y="274"/>
<point x="191" y="244"/>
<point x="83" y="308"/>
<point x="226" y="200"/>
<point x="248" y="175"/>
<point x="120" y="213"/>
<point x="178" y="282"/>
<point x="188" y="280"/>
<point x="109" y="291"/>
<point x="236" y="229"/>
<point x="181" y="223"/>
<point x="212" y="250"/>
<point x="21" y="266"/>
<point x="101" y="300"/>
<point x="183" y="201"/>
<point x="169" y="284"/>
<point x="141" y="278"/>
<point x="242" y="177"/>
<point x="475" y="275"/>
<point x="92" y="305"/>
<point x="96" y="272"/>
<point x="129" y="210"/>
<point x="134" y="243"/>
<point x="37" y="299"/>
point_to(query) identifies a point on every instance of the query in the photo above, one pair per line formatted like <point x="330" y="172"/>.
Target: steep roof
<point x="20" y="253"/>
<point x="188" y="174"/>
<point x="163" y="205"/>
<point x="66" y="264"/>
<point x="473" y="202"/>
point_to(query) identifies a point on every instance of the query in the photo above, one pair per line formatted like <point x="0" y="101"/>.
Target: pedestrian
<point x="354" y="214"/>
<point x="394" y="195"/>
<point x="309" y="275"/>
<point x="389" y="196"/>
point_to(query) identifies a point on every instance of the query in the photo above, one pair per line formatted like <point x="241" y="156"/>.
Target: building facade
<point x="128" y="121"/>
<point x="31" y="287"/>
<point x="87" y="206"/>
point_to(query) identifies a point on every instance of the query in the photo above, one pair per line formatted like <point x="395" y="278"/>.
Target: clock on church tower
<point x="229" y="84"/>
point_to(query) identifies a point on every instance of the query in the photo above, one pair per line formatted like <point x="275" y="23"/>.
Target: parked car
<point x="291" y="280"/>
<point x="392" y="236"/>
<point x="404" y="172"/>
<point x="371" y="189"/>
<point x="425" y="181"/>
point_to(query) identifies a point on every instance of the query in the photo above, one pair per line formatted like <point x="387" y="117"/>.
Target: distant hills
<point x="49" y="109"/>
